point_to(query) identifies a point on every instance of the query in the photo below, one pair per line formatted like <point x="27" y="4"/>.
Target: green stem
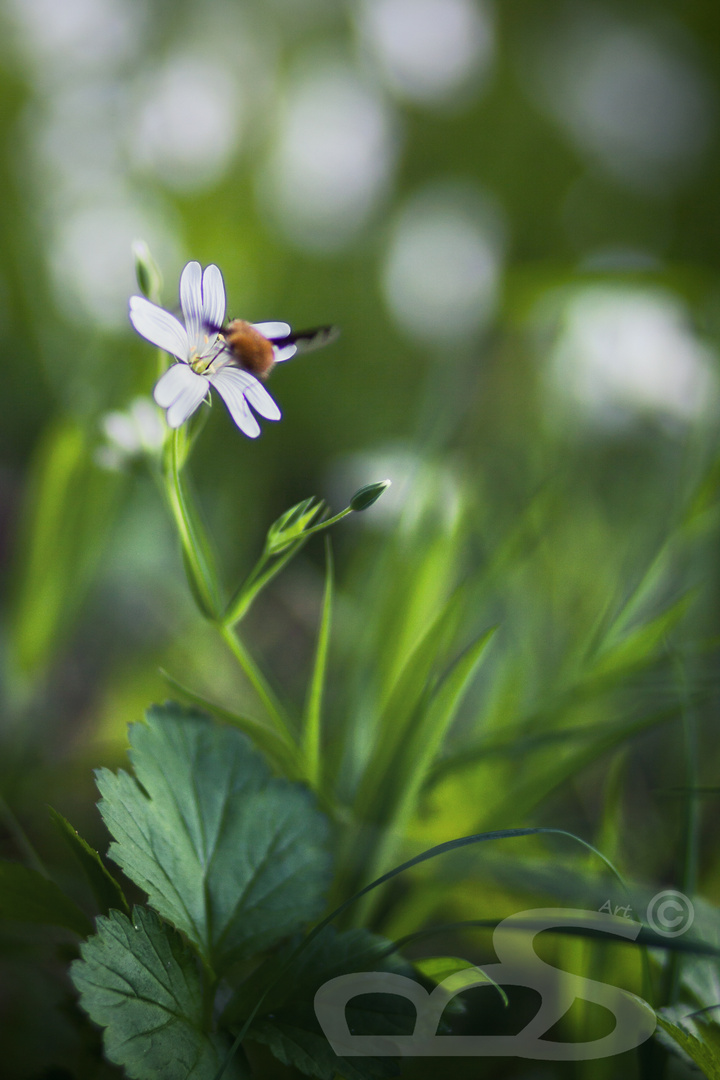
<point x="195" y="558"/>
<point x="326" y="524"/>
<point x="257" y="680"/>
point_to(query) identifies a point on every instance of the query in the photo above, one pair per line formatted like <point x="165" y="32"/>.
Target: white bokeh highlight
<point x="631" y="98"/>
<point x="333" y="157"/>
<point x="91" y="257"/>
<point x="186" y="122"/>
<point x="428" y="50"/>
<point x="443" y="265"/>
<point x="625" y="354"/>
<point x="419" y="487"/>
<point x="78" y="37"/>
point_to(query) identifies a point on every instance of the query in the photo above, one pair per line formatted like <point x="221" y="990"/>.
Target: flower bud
<point x="147" y="272"/>
<point x="367" y="495"/>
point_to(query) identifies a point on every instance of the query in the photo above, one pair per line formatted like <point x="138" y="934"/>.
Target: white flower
<point x="139" y="430"/>
<point x="203" y="355"/>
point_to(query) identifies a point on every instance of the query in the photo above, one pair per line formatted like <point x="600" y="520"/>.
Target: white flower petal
<point x="191" y="301"/>
<point x="273" y="330"/>
<point x="169" y="386"/>
<point x="188" y="401"/>
<point x="232" y="390"/>
<point x="213" y="298"/>
<point x="284" y="353"/>
<point x="254" y="391"/>
<point x="159" y="327"/>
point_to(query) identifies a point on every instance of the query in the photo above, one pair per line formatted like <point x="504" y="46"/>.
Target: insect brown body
<point x="250" y="349"/>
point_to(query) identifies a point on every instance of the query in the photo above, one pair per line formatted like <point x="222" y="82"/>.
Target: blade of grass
<point x="407" y="771"/>
<point x="413" y="682"/>
<point x="430" y="853"/>
<point x="312" y="719"/>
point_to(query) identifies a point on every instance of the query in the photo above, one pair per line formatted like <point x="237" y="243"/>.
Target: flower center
<point x="201" y="357"/>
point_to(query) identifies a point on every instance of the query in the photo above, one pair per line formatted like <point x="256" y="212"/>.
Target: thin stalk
<point x="191" y="545"/>
<point x="257" y="680"/>
<point x="312" y="719"/>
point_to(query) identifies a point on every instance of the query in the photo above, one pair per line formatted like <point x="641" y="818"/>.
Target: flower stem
<point x="256" y="678"/>
<point x="200" y="575"/>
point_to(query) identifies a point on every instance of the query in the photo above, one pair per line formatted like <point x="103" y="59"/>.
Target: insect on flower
<point x="229" y="359"/>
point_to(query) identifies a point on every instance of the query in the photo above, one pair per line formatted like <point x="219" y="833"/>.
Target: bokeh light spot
<point x="629" y="97"/>
<point x="622" y="354"/>
<point x="187" y="122"/>
<point x="428" y="50"/>
<point x="333" y="157"/>
<point x="442" y="271"/>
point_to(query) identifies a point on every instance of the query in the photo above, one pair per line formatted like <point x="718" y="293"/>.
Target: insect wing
<point x="305" y="340"/>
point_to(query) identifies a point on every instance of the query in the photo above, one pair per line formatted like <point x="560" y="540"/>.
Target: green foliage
<point x="67" y="519"/>
<point x="232" y="857"/>
<point x="143" y="985"/>
<point x="106" y="890"/>
<point x="286" y="1021"/>
<point x="312" y="718"/>
<point x="698" y="1040"/>
<point x="27" y="896"/>
<point x="278" y="749"/>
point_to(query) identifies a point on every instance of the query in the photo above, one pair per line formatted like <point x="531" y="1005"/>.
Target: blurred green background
<point x="510" y="210"/>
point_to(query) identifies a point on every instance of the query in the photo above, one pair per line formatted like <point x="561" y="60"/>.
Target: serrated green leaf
<point x="287" y="1023"/>
<point x="141" y="983"/>
<point x="235" y="859"/>
<point x="106" y="889"/>
<point x="272" y="742"/>
<point x="28" y="896"/>
<point x="700" y="1041"/>
<point x="311" y="1053"/>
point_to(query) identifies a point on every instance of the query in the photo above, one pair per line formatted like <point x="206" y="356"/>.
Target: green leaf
<point x="141" y="983"/>
<point x="417" y="675"/>
<point x="639" y="645"/>
<point x="699" y="1040"/>
<point x="106" y="889"/>
<point x="407" y="771"/>
<point x="438" y="968"/>
<point x="287" y="1022"/>
<point x="284" y="539"/>
<point x="235" y="859"/>
<point x="65" y="526"/>
<point x="290" y="526"/>
<point x="311" y="1053"/>
<point x="312" y="720"/>
<point x="272" y="742"/>
<point x="28" y="896"/>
